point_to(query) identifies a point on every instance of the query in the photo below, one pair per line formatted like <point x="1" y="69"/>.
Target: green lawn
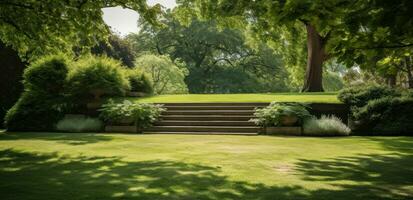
<point x="283" y="97"/>
<point x="121" y="166"/>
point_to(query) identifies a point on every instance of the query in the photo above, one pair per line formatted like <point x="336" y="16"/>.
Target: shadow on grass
<point x="50" y="176"/>
<point x="66" y="138"/>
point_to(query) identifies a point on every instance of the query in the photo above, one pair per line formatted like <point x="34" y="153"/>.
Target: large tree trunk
<point x="316" y="55"/>
<point x="391" y="80"/>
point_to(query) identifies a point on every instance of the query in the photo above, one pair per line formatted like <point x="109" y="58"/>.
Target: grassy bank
<point x="281" y="97"/>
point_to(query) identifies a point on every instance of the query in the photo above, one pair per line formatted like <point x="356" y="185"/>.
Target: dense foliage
<point x="167" y="76"/>
<point x="379" y="110"/>
<point x="362" y="33"/>
<point x="116" y="48"/>
<point x="275" y="113"/>
<point x="360" y="95"/>
<point x="142" y="115"/>
<point x="218" y="60"/>
<point x="140" y="82"/>
<point x="325" y="126"/>
<point x="97" y="76"/>
<point x="43" y="100"/>
<point x="38" y="27"/>
<point x="387" y="115"/>
<point x="11" y="86"/>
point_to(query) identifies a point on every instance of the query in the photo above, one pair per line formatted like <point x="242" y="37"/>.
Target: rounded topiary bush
<point x="140" y="82"/>
<point x="43" y="101"/>
<point x="98" y="76"/>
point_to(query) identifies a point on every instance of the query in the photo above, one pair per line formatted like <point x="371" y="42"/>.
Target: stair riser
<point x="212" y="112"/>
<point x="207" y="118"/>
<point x="204" y="129"/>
<point x="205" y="123"/>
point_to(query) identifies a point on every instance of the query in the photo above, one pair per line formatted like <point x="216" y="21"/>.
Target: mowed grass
<point x="268" y="97"/>
<point x="122" y="166"/>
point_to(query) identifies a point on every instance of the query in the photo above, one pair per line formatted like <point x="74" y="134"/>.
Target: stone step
<point x="209" y="112"/>
<point x="232" y="129"/>
<point x="203" y="123"/>
<point x="201" y="133"/>
<point x="181" y="107"/>
<point x="207" y="117"/>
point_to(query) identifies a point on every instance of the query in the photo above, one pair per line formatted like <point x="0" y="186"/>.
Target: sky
<point x="124" y="21"/>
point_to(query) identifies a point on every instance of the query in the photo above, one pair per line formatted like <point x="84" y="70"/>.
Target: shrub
<point x="140" y="82"/>
<point x="79" y="124"/>
<point x="388" y="116"/>
<point x="361" y="94"/>
<point x="98" y="76"/>
<point x="42" y="103"/>
<point x="274" y="114"/>
<point x="325" y="126"/>
<point x="47" y="74"/>
<point x="143" y="115"/>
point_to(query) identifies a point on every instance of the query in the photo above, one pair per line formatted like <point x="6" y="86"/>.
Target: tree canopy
<point x="218" y="60"/>
<point x="352" y="31"/>
<point x="34" y="27"/>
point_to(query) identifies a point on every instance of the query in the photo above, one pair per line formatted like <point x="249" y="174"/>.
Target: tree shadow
<point x="366" y="176"/>
<point x="51" y="176"/>
<point x="400" y="144"/>
<point x="66" y="138"/>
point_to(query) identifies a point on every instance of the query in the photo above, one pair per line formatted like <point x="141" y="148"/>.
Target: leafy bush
<point x="325" y="126"/>
<point x="143" y="115"/>
<point x="140" y="82"/>
<point x="389" y="116"/>
<point x="79" y="124"/>
<point x="379" y="109"/>
<point x="48" y="74"/>
<point x="98" y="76"/>
<point x="361" y="94"/>
<point x="273" y="114"/>
<point x="43" y="101"/>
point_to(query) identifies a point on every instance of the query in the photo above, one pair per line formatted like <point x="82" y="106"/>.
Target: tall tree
<point x="213" y="55"/>
<point x="116" y="48"/>
<point x="333" y="27"/>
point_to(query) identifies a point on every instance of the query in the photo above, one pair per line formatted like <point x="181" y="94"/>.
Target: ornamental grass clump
<point x="79" y="124"/>
<point x="281" y="114"/>
<point x="325" y="126"/>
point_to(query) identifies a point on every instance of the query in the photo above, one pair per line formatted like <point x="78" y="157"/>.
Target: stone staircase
<point x="207" y="118"/>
